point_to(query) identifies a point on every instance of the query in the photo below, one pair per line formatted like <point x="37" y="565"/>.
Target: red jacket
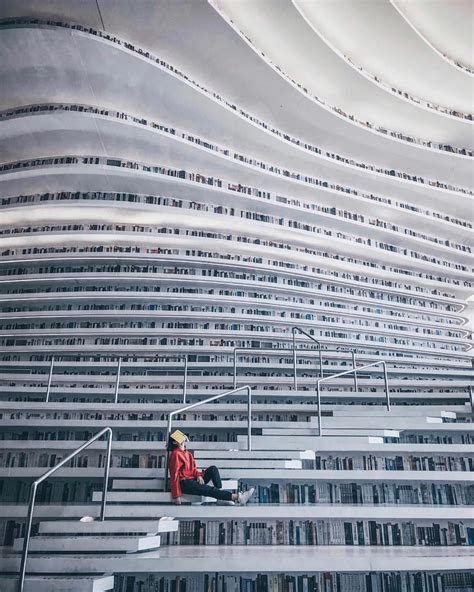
<point x="181" y="465"/>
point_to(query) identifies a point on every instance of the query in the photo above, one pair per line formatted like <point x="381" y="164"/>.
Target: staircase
<point x="377" y="482"/>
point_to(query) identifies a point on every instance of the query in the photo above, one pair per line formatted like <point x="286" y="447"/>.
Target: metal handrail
<point x="256" y="349"/>
<point x="117" y="380"/>
<point x="318" y="389"/>
<point x="185" y="377"/>
<point x="288" y="351"/>
<point x="50" y="378"/>
<point x="321" y="371"/>
<point x="34" y="488"/>
<point x="198" y="404"/>
<point x="303" y="332"/>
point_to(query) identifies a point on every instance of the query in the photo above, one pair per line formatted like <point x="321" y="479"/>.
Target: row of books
<point x="320" y="582"/>
<point x="223" y="415"/>
<point x="407" y="438"/>
<point x="144" y="460"/>
<point x="53" y="491"/>
<point x="364" y="493"/>
<point x="299" y="532"/>
<point x="124" y="434"/>
<point x="91" y="459"/>
<point x="321" y="532"/>
<point x="132" y="435"/>
<point x="397" y="463"/>
<point x="276" y="493"/>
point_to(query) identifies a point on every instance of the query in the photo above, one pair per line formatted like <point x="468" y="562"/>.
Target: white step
<point x="47" y="583"/>
<point x="289" y="432"/>
<point x="210" y="455"/>
<point x="251" y="559"/>
<point x="98" y="544"/>
<point x="368" y="421"/>
<point x="236" y="463"/>
<point x="108" y="526"/>
<point x="131" y="485"/>
<point x="138" y="484"/>
<point x="149" y="496"/>
<point x="346" y="432"/>
<point x="379" y="411"/>
<point x="158" y="484"/>
<point x="262" y="512"/>
<point x="302" y="442"/>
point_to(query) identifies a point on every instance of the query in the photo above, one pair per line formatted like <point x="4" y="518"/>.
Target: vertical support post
<point x="167" y="437"/>
<point x="106" y="475"/>
<point x="235" y="367"/>
<point x="26" y="540"/>
<point x="356" y="386"/>
<point x="318" y="391"/>
<point x="117" y="380"/>
<point x="50" y="378"/>
<point x="185" y="379"/>
<point x="387" y="393"/>
<point x="249" y="422"/>
<point x="295" y="380"/>
<point x="321" y="371"/>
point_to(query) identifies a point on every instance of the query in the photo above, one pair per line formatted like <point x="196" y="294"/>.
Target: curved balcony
<point x="293" y="234"/>
<point x="98" y="53"/>
<point x="445" y="28"/>
<point x="313" y="18"/>
<point x="140" y="301"/>
<point x="258" y="24"/>
<point x="386" y="50"/>
<point x="122" y="135"/>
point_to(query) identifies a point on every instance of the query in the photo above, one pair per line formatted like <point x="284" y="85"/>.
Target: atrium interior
<point x="265" y="203"/>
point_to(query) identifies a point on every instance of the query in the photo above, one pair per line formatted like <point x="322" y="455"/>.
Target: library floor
<point x="258" y="558"/>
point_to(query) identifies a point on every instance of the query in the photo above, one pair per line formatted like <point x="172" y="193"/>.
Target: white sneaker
<point x="244" y="496"/>
<point x="225" y="503"/>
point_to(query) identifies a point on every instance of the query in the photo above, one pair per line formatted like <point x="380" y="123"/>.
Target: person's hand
<point x="177" y="501"/>
<point x="200" y="480"/>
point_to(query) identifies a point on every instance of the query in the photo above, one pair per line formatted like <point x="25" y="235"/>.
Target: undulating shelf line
<point x="222" y="184"/>
<point x="174" y="131"/>
<point x="145" y="54"/>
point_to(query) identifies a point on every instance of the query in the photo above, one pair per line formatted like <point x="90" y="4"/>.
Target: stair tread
<point x="59" y="583"/>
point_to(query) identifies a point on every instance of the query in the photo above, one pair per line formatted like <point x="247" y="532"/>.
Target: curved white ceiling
<point x="377" y="38"/>
<point x="306" y="58"/>
<point x="448" y="26"/>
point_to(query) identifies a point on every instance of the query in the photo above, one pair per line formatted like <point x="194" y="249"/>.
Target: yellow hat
<point x="178" y="436"/>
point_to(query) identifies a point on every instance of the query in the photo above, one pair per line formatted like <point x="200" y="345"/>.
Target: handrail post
<point x="295" y="386"/>
<point x="26" y="540"/>
<point x="356" y="386"/>
<point x="167" y="454"/>
<point x="318" y="392"/>
<point x="235" y="367"/>
<point x="106" y="475"/>
<point x="185" y="380"/>
<point x="249" y="419"/>
<point x="117" y="380"/>
<point x="387" y="393"/>
<point x="50" y="378"/>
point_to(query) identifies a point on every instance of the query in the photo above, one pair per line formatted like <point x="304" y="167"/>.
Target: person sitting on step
<point x="186" y="478"/>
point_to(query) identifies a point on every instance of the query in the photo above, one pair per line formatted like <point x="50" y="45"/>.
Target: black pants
<point x="192" y="487"/>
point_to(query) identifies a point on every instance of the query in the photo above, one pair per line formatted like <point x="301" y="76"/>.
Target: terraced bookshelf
<point x="180" y="218"/>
